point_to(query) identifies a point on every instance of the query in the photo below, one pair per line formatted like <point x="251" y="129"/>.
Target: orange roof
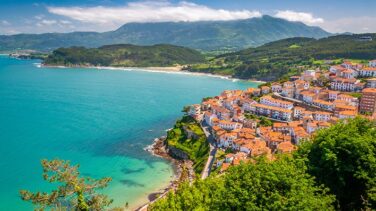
<point x="270" y="98"/>
<point x="369" y="68"/>
<point x="372" y="90"/>
<point x="286" y="147"/>
<point x="348" y="113"/>
<point x="345" y="107"/>
<point x="274" y="108"/>
<point x="322" y="112"/>
<point x="323" y="102"/>
<point x="225" y="166"/>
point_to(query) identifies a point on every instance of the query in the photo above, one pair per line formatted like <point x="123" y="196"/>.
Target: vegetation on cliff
<point x="279" y="185"/>
<point x="125" y="56"/>
<point x="334" y="170"/>
<point x="188" y="137"/>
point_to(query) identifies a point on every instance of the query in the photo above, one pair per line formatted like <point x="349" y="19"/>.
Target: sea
<point x="101" y="119"/>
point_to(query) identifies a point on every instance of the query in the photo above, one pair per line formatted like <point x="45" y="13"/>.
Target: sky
<point x="33" y="16"/>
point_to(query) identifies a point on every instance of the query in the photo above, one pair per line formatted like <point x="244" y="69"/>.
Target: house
<point x="247" y="105"/>
<point x="288" y="84"/>
<point x="288" y="92"/>
<point x="345" y="84"/>
<point x="298" y="112"/>
<point x="368" y="101"/>
<point x="273" y="112"/>
<point x="208" y="117"/>
<point x="250" y="123"/>
<point x="274" y="138"/>
<point x="255" y="148"/>
<point x="281" y="127"/>
<point x="349" y="99"/>
<point x="298" y="134"/>
<point x="349" y="73"/>
<point x="221" y="112"/>
<point x="229" y="125"/>
<point x="227" y="139"/>
<point x="333" y="95"/>
<point x="367" y="72"/>
<point x="286" y="147"/>
<point x="371" y="83"/>
<point x="195" y="111"/>
<point x="265" y="90"/>
<point x="372" y="63"/>
<point x="308" y="97"/>
<point x="276" y="87"/>
<point x="322" y="116"/>
<point x="347" y="114"/>
<point x="323" y="104"/>
<point x="270" y="101"/>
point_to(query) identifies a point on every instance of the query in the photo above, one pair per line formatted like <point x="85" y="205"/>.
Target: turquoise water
<point x="101" y="119"/>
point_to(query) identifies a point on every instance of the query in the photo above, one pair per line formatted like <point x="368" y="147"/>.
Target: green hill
<point x="125" y="56"/>
<point x="202" y="35"/>
<point x="335" y="170"/>
<point x="289" y="56"/>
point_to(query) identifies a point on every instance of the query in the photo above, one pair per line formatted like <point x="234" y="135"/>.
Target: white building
<point x="372" y="63"/>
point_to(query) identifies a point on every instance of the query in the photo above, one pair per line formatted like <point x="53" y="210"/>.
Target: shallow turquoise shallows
<point x="101" y="119"/>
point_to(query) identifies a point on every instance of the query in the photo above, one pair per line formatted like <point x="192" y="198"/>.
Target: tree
<point x="343" y="157"/>
<point x="73" y="193"/>
<point x="279" y="185"/>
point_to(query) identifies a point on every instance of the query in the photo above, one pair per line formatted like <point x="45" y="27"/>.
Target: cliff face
<point x="177" y="153"/>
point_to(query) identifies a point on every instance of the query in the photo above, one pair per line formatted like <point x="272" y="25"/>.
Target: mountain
<point x="202" y="35"/>
<point x="125" y="55"/>
<point x="289" y="56"/>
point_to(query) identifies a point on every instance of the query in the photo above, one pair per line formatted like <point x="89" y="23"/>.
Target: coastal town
<point x="276" y="117"/>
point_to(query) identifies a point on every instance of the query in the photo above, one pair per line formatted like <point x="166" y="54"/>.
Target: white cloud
<point x="306" y="18"/>
<point x="148" y="11"/>
<point x="4" y="23"/>
<point x="46" y="22"/>
<point x="363" y="24"/>
<point x="65" y="22"/>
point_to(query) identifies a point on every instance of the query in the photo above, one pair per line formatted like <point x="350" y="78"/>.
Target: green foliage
<point x="356" y="94"/>
<point x="278" y="60"/>
<point x="197" y="148"/>
<point x="215" y="36"/>
<point x="279" y="185"/>
<point x="343" y="158"/>
<point x="265" y="122"/>
<point x="73" y="193"/>
<point x="125" y="56"/>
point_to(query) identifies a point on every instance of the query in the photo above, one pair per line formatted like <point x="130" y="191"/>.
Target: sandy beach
<point x="171" y="70"/>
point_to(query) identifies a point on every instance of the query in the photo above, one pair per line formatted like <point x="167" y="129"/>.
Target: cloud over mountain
<point x="306" y="18"/>
<point x="148" y="11"/>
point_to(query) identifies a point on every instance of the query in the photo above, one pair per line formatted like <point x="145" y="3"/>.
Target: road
<point x="213" y="150"/>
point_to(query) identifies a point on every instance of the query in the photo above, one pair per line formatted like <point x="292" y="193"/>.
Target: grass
<point x="196" y="148"/>
<point x="294" y="46"/>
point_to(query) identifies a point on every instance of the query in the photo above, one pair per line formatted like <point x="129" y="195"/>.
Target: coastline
<point x="171" y="70"/>
<point x="183" y="171"/>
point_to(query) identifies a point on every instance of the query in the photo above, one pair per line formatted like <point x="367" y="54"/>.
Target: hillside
<point x="125" y="56"/>
<point x="335" y="170"/>
<point x="202" y="35"/>
<point x="289" y="56"/>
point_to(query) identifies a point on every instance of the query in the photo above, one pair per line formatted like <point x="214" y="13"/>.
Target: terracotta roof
<point x="369" y="68"/>
<point x="372" y="90"/>
<point x="286" y="147"/>
<point x="274" y="108"/>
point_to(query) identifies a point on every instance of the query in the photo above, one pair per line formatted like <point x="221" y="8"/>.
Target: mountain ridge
<point x="201" y="35"/>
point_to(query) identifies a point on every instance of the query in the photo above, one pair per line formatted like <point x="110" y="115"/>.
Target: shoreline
<point x="158" y="149"/>
<point x="171" y="69"/>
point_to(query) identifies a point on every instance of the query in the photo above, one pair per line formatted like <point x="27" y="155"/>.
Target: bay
<point x="100" y="119"/>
